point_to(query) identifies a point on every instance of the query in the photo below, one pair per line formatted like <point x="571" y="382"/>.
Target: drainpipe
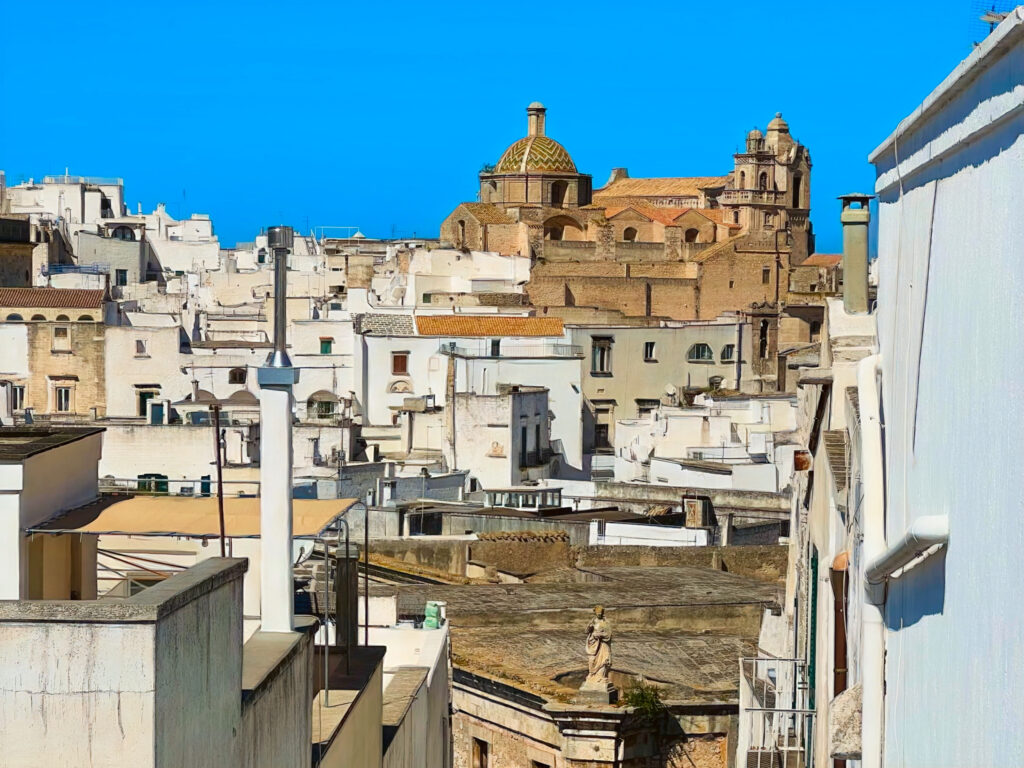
<point x="873" y="525"/>
<point x="276" y="379"/>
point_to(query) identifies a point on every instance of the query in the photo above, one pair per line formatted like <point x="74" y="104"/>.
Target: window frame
<point x="601" y="352"/>
<point x="728" y="353"/>
<point x="326" y="345"/>
<point x="120" y="278"/>
<point x="67" y="392"/>
<point x="60" y="332"/>
<point x="18" y="396"/>
<point x="652" y="356"/>
<point x="692" y="357"/>
<point x="404" y="357"/>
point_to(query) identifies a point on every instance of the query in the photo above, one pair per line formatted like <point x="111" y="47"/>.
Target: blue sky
<point x="380" y="114"/>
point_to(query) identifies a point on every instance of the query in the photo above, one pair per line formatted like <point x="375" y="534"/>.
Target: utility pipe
<point x="873" y="548"/>
<point x="924" y="533"/>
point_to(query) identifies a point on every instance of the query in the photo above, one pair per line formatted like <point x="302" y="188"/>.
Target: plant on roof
<point x="487" y="168"/>
<point x="645" y="699"/>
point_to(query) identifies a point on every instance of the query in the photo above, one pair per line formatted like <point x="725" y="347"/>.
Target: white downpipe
<point x="873" y="548"/>
<point x="276" y="585"/>
<point x="925" y="533"/>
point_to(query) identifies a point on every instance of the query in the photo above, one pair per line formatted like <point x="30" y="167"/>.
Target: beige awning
<point x="198" y="517"/>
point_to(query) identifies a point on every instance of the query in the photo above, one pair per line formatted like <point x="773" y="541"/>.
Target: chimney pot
<point x="855" y="217"/>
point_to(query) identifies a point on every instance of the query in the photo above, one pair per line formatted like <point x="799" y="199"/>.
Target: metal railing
<point x="776" y="727"/>
<point x="96" y="180"/>
<point x="85" y="269"/>
<point x="508" y="351"/>
<point x="161" y="486"/>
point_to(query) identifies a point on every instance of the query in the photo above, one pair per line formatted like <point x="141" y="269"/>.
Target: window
<point x="237" y="376"/>
<point x="495" y="347"/>
<point x="629" y="234"/>
<point x="731" y="283"/>
<point x="797" y="179"/>
<point x="691" y="235"/>
<point x="326" y="346"/>
<point x="140" y="348"/>
<point x="743" y="180"/>
<point x="399" y="363"/>
<point x="144" y="397"/>
<point x="120" y="277"/>
<point x="63" y="319"/>
<point x="601" y="356"/>
<point x="480" y="756"/>
<point x="61" y="338"/>
<point x="736" y="217"/>
<point x="63" y="398"/>
<point x="123" y="233"/>
<point x="766" y="275"/>
<point x="462" y="232"/>
<point x="700" y="353"/>
<point x="767" y="219"/>
<point x="261" y="256"/>
<point x="649" y="356"/>
<point x="762" y="181"/>
<point x="645" y="406"/>
<point x="728" y="353"/>
<point x="38" y="318"/>
<point x="18" y="397"/>
<point x="815" y="329"/>
<point x="85" y="318"/>
<point x="558" y="191"/>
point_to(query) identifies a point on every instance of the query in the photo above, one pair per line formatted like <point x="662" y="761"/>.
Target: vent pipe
<point x="855" y="217"/>
<point x="276" y="379"/>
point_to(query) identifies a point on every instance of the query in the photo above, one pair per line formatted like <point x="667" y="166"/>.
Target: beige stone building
<point x="653" y="248"/>
<point x="60" y="335"/>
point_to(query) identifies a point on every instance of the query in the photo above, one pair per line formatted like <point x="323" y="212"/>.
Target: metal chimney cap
<point x="280" y="237"/>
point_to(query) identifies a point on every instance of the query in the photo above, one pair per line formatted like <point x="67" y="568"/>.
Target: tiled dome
<point x="535" y="154"/>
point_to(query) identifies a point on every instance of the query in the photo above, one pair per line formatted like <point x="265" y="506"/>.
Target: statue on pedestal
<point x="599" y="654"/>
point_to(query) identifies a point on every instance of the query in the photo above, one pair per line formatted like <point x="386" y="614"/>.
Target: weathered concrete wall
<point x="766" y="563"/>
<point x="442" y="555"/>
<point x="521" y="558"/>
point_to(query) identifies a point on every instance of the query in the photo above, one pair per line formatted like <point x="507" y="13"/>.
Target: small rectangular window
<point x="326" y="345"/>
<point x="495" y="347"/>
<point x="61" y="338"/>
<point x="601" y="355"/>
<point x="121" y="277"/>
<point x="140" y="347"/>
<point x="399" y="363"/>
<point x="63" y="399"/>
<point x="766" y="275"/>
<point x="649" y="356"/>
<point x="18" y="398"/>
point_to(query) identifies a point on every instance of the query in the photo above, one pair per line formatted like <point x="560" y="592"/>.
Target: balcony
<point x="485" y="349"/>
<point x="752" y="197"/>
<point x="776" y="727"/>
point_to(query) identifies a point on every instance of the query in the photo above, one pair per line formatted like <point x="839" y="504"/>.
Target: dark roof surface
<point x="18" y="443"/>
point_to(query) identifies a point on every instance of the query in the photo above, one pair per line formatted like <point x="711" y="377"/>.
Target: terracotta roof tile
<point x="486" y="213"/>
<point x="663" y="187"/>
<point x="65" y="298"/>
<point x="822" y="260"/>
<point x="496" y="326"/>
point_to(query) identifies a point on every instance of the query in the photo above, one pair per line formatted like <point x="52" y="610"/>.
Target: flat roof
<point x="19" y="443"/>
<point x="193" y="517"/>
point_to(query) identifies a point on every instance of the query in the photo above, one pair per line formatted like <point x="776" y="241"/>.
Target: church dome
<point x="535" y="154"/>
<point x="778" y="124"/>
<point x="755" y="134"/>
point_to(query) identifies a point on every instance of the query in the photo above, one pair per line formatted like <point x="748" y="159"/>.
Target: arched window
<point x="558" y="192"/>
<point x="236" y="376"/>
<point x="15" y="318"/>
<point x="736" y="217"/>
<point x="123" y="233"/>
<point x="762" y="341"/>
<point x="743" y="180"/>
<point x="321" y="405"/>
<point x="797" y="180"/>
<point x="61" y="318"/>
<point x="700" y="353"/>
<point x="762" y="181"/>
<point x="38" y="317"/>
<point x="629" y="234"/>
<point x="728" y="353"/>
<point x="261" y="256"/>
<point x="462" y="232"/>
<point x="691" y="235"/>
<point x="85" y="318"/>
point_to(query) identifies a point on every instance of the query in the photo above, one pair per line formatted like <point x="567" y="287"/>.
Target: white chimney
<point x="276" y="379"/>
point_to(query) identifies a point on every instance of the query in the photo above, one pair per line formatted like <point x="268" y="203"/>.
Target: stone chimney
<point x="535" y="119"/>
<point x="617" y="173"/>
<point x="855" y="217"/>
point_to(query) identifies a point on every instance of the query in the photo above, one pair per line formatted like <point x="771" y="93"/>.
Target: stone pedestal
<point x="597" y="693"/>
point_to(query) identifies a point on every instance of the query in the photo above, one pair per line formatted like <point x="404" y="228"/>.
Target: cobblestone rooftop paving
<point x="527" y="635"/>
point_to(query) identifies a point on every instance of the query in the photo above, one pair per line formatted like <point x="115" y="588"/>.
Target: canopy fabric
<point x="198" y="517"/>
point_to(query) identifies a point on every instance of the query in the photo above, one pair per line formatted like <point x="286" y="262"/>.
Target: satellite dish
<point x="670" y="390"/>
